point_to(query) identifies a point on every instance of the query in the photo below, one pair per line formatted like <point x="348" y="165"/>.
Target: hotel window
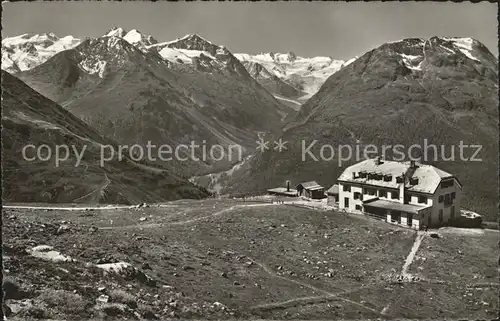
<point x="447" y="184"/>
<point x="422" y="199"/>
<point x="382" y="193"/>
<point x="346" y="188"/>
<point x="453" y="195"/>
<point x="447" y="199"/>
<point x="357" y="195"/>
<point x="441" y="198"/>
<point x="395" y="195"/>
<point x="358" y="207"/>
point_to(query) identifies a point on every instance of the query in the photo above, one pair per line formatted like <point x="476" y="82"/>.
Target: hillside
<point x="30" y="118"/>
<point x="443" y="90"/>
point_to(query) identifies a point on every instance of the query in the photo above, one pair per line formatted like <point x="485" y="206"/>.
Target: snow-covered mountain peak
<point x="110" y="46"/>
<point x="136" y="37"/>
<point x="305" y="74"/>
<point x="24" y="39"/>
<point x="193" y="42"/>
<point x="203" y="54"/>
<point x="193" y="37"/>
<point x="116" y="32"/>
<point x="29" y="50"/>
<point x="284" y="57"/>
<point x="112" y="53"/>
<point x="416" y="53"/>
<point x="465" y="45"/>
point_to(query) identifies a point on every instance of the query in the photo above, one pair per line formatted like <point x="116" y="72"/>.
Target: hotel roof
<point x="429" y="177"/>
<point x="395" y="206"/>
<point x="312" y="185"/>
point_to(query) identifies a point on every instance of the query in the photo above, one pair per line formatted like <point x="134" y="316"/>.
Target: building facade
<point x="311" y="190"/>
<point x="404" y="193"/>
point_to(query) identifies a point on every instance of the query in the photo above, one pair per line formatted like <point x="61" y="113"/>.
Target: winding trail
<point x="193" y="220"/>
<point x="69" y="208"/>
<point x="310" y="300"/>
<point x="98" y="193"/>
<point x="219" y="213"/>
<point x="327" y="294"/>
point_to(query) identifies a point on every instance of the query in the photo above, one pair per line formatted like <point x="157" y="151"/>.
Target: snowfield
<point x="28" y="51"/>
<point x="307" y="74"/>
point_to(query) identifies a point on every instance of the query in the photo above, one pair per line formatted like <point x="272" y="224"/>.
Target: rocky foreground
<point x="227" y="259"/>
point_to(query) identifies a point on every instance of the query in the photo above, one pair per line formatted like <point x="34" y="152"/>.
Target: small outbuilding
<point x="333" y="195"/>
<point x="311" y="190"/>
<point x="283" y="191"/>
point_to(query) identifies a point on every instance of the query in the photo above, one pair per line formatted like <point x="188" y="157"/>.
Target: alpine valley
<point x="127" y="88"/>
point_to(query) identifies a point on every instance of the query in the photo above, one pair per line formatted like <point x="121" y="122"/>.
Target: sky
<point x="340" y="30"/>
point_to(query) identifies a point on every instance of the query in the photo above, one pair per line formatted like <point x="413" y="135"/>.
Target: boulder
<point x="103" y="298"/>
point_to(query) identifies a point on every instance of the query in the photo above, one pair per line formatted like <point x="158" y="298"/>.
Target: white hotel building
<point x="404" y="193"/>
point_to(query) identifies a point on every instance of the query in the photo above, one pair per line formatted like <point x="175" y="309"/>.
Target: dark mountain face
<point x="134" y="97"/>
<point x="442" y="91"/>
<point x="30" y="118"/>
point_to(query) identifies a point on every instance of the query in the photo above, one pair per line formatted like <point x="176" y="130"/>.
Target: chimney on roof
<point x="353" y="175"/>
<point x="378" y="160"/>
<point x="409" y="173"/>
<point x="402" y="190"/>
<point x="288" y="186"/>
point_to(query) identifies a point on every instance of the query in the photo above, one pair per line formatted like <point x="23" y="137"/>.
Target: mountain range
<point x="130" y="93"/>
<point x="292" y="79"/>
<point x="131" y="89"/>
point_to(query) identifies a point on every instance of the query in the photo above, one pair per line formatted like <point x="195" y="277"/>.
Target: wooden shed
<point x="311" y="190"/>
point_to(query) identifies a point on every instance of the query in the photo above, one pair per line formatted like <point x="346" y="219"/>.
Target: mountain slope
<point x="30" y="118"/>
<point x="443" y="90"/>
<point x="218" y="61"/>
<point x="134" y="96"/>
